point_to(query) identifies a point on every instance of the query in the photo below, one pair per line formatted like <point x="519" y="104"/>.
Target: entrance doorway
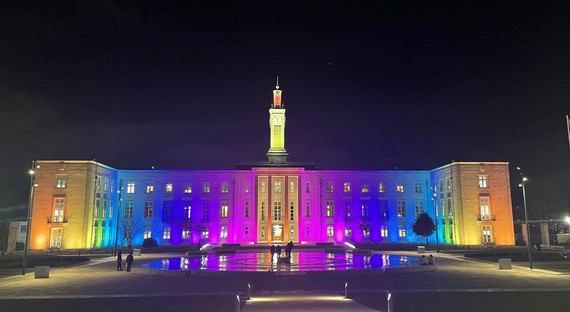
<point x="277" y="233"/>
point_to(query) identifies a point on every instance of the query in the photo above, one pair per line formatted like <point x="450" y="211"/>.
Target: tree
<point x="194" y="228"/>
<point x="130" y="228"/>
<point x="423" y="225"/>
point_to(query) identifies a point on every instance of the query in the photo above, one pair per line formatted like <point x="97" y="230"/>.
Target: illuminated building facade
<point x="85" y="204"/>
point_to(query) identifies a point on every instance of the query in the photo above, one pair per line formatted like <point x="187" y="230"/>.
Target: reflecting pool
<point x="301" y="261"/>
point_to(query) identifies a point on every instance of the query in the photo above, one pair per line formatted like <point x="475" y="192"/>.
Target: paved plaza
<point x="458" y="282"/>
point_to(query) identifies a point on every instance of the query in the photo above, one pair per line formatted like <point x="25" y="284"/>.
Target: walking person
<point x="120" y="260"/>
<point x="129" y="261"/>
<point x="278" y="251"/>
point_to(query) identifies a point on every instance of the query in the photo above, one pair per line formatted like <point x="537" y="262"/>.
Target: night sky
<point x="367" y="85"/>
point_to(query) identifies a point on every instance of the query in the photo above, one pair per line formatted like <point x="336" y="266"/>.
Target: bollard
<point x="237" y="304"/>
<point x="390" y="304"/>
<point x="248" y="291"/>
<point x="346" y="290"/>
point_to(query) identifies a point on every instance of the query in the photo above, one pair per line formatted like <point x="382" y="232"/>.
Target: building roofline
<point x="472" y="163"/>
<point x="93" y="162"/>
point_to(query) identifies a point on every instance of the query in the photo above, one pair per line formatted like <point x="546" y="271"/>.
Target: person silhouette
<point x="129" y="261"/>
<point x="120" y="260"/>
<point x="272" y="250"/>
<point x="278" y="251"/>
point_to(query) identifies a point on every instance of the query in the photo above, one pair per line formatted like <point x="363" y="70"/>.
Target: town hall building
<point x="78" y="204"/>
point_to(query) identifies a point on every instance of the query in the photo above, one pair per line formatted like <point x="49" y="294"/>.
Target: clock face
<point x="277" y="119"/>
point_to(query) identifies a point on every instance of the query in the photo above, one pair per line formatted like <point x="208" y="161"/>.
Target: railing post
<point x="248" y="291"/>
<point x="237" y="306"/>
<point x="346" y="290"/>
<point x="390" y="304"/>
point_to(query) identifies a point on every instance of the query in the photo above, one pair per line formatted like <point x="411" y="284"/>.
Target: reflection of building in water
<point x="86" y="204"/>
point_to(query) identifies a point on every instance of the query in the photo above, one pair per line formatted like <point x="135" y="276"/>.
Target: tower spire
<point x="277" y="153"/>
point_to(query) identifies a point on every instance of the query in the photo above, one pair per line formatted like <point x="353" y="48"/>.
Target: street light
<point x="434" y="189"/>
<point x="29" y="223"/>
<point x="523" y="180"/>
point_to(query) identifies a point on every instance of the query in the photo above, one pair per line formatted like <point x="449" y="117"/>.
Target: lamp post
<point x="30" y="206"/>
<point x="434" y="198"/>
<point x="118" y="217"/>
<point x="528" y="242"/>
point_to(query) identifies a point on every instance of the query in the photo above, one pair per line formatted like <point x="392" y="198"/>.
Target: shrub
<point x="150" y="243"/>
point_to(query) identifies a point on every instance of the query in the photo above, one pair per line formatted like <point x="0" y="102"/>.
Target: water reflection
<point x="300" y="261"/>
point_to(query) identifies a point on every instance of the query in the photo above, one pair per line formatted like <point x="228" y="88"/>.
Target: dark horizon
<point x="366" y="85"/>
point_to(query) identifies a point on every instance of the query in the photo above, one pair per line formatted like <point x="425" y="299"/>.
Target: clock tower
<point x="277" y="153"/>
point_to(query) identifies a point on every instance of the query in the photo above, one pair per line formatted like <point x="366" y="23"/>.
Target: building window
<point x="224" y="209"/>
<point x="187" y="211"/>
<point x="449" y="207"/>
<point x="484" y="208"/>
<point x="330" y="231"/>
<point x="487" y="234"/>
<point x="262" y="232"/>
<point x="308" y="229"/>
<point x="364" y="188"/>
<point x="400" y="188"/>
<point x="262" y="211"/>
<point x="223" y="232"/>
<point x="166" y="232"/>
<point x="418" y="187"/>
<point x="147" y="234"/>
<point x="365" y="213"/>
<point x="402" y="231"/>
<point x="401" y="208"/>
<point x="111" y="211"/>
<point x="483" y="182"/>
<point x="442" y="206"/>
<point x="105" y="184"/>
<point x="383" y="207"/>
<point x="98" y="182"/>
<point x="329" y="187"/>
<point x="246" y="231"/>
<point x="365" y="230"/>
<point x="225" y="187"/>
<point x="330" y="209"/>
<point x="187" y="188"/>
<point x="441" y="185"/>
<point x="206" y="188"/>
<point x="149" y="188"/>
<point x="112" y="186"/>
<point x="129" y="209"/>
<point x="307" y="209"/>
<point x="246" y="210"/>
<point x="205" y="234"/>
<point x="381" y="188"/>
<point x="168" y="188"/>
<point x="148" y="209"/>
<point x="96" y="209"/>
<point x="448" y="182"/>
<point x="185" y="233"/>
<point x="291" y="232"/>
<point x="291" y="187"/>
<point x="307" y="187"/>
<point x="246" y="188"/>
<point x="277" y="187"/>
<point x="347" y="187"/>
<point x="292" y="211"/>
<point x="419" y="208"/>
<point x="277" y="211"/>
<point x="58" y="210"/>
<point x="384" y="230"/>
<point x="347" y="211"/>
<point x="205" y="212"/>
<point x="167" y="211"/>
<point x="61" y="182"/>
<point x="263" y="187"/>
<point x="130" y="188"/>
<point x="348" y="232"/>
